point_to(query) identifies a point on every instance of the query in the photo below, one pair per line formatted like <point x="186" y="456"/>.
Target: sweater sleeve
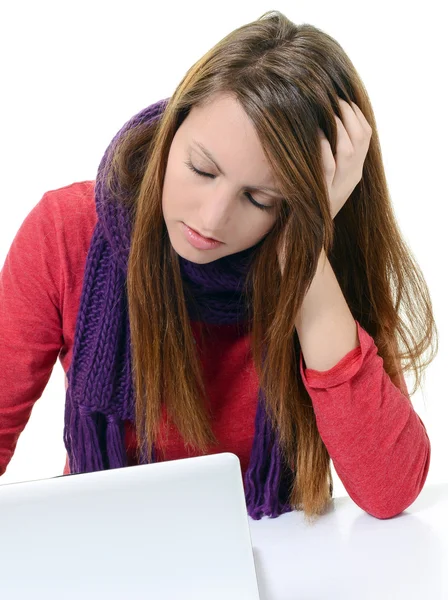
<point x="378" y="444"/>
<point x="30" y="322"/>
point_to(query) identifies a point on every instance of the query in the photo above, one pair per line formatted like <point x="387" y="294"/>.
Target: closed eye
<point x="202" y="174"/>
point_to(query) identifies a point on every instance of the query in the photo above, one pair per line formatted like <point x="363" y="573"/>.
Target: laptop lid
<point x="169" y="530"/>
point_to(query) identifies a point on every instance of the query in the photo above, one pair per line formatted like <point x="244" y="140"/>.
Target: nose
<point x="215" y="213"/>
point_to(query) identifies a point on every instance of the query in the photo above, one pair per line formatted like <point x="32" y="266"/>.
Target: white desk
<point x="349" y="554"/>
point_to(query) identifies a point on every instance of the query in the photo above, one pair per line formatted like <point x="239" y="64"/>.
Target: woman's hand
<point x="343" y="171"/>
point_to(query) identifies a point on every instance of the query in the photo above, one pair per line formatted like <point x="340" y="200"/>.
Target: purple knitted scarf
<point x="100" y="395"/>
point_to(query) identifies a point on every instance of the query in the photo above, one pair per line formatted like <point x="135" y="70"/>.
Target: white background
<point x="73" y="73"/>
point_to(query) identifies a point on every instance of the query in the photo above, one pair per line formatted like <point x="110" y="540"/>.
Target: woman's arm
<point x="378" y="443"/>
<point x="30" y="323"/>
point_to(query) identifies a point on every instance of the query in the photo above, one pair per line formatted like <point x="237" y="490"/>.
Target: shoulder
<point x="68" y="215"/>
<point x="72" y="202"/>
<point x="72" y="211"/>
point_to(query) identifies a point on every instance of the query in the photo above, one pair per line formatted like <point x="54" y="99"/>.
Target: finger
<point x="344" y="144"/>
<point x="361" y="117"/>
<point x="328" y="161"/>
<point x="356" y="111"/>
<point x="352" y="125"/>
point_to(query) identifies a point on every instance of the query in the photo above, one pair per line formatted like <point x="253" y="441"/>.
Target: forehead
<point x="223" y="134"/>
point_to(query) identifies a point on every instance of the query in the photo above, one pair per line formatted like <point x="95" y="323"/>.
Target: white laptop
<point x="174" y="530"/>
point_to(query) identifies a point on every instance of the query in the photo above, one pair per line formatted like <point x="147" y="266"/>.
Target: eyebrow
<point x="250" y="187"/>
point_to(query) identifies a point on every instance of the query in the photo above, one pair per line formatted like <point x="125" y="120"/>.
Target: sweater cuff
<point x="345" y="369"/>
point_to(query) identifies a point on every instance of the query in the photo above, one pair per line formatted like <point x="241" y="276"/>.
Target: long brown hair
<point x="287" y="78"/>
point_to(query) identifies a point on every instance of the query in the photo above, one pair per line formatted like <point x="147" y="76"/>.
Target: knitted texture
<point x="100" y="394"/>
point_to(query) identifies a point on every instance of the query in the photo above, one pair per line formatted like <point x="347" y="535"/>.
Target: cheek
<point x="171" y="190"/>
<point x="265" y="230"/>
<point x="178" y="184"/>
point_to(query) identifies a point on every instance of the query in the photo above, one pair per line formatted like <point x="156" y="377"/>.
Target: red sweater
<point x="377" y="442"/>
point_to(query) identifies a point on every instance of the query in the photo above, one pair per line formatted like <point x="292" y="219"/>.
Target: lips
<point x="204" y="236"/>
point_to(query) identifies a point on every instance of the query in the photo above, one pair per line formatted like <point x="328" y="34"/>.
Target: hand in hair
<point x="343" y="171"/>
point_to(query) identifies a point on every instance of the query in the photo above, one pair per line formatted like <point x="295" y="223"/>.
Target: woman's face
<point x="218" y="206"/>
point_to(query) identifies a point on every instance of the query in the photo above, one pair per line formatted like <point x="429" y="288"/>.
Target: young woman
<point x="279" y="338"/>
